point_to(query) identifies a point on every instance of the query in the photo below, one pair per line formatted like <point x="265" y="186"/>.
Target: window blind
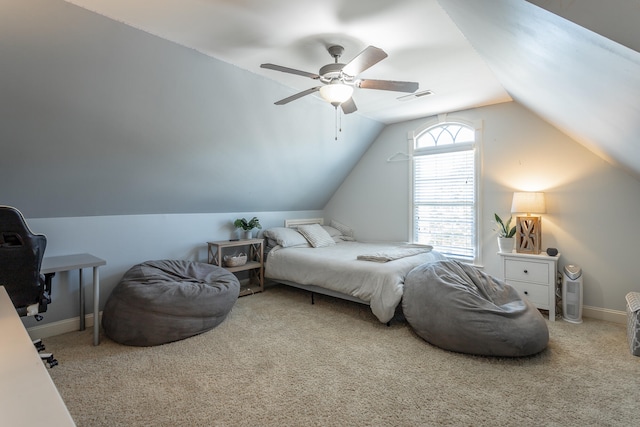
<point x="444" y="202"/>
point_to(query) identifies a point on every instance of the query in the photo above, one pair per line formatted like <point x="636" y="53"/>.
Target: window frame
<point x="477" y="146"/>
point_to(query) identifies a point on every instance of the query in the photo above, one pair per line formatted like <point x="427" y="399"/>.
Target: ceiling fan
<point x="339" y="79"/>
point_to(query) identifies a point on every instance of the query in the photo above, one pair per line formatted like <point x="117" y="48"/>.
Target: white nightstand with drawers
<point x="534" y="276"/>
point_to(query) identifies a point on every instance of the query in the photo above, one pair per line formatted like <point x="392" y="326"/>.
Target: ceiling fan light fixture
<point x="338" y="80"/>
<point x="336" y="93"/>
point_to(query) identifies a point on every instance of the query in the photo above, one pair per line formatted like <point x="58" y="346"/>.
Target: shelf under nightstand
<point x="254" y="265"/>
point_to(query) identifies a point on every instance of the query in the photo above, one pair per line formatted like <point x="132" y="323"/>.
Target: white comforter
<point x="338" y="269"/>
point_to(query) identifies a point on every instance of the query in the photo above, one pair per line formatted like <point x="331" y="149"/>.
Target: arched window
<point x="445" y="189"/>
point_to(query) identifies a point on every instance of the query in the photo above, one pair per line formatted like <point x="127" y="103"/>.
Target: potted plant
<point x="247" y="226"/>
<point x="505" y="234"/>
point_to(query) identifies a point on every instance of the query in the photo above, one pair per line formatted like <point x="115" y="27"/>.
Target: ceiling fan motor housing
<point x="331" y="72"/>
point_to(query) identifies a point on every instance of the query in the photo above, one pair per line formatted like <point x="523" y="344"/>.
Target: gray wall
<point x="98" y="118"/>
<point x="592" y="207"/>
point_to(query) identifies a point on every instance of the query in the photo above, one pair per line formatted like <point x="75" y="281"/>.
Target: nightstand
<point x="254" y="265"/>
<point x="534" y="276"/>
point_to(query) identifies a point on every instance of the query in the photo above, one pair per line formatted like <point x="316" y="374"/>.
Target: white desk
<point x="28" y="396"/>
<point x="55" y="264"/>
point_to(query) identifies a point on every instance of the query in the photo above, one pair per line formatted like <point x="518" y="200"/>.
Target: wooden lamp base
<point x="528" y="234"/>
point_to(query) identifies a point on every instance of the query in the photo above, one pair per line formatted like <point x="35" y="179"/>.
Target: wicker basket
<point x="235" y="260"/>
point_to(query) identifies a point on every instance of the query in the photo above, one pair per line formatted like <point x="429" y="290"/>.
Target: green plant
<point x="503" y="228"/>
<point x="247" y="225"/>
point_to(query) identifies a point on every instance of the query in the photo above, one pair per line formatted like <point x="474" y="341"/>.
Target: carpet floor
<point x="277" y="360"/>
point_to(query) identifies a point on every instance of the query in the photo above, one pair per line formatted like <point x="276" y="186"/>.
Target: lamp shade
<point x="524" y="202"/>
<point x="336" y="93"/>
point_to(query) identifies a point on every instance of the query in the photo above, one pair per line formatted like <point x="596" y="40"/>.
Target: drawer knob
<point x="526" y="292"/>
<point x="526" y="271"/>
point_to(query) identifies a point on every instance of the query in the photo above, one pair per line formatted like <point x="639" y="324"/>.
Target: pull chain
<point x="338" y="122"/>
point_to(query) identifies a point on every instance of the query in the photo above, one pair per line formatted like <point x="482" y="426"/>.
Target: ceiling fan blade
<point x="348" y="106"/>
<point x="290" y="70"/>
<point x="396" y="86"/>
<point x="365" y="59"/>
<point x="297" y="95"/>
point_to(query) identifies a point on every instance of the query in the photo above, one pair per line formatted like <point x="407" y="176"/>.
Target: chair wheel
<point x="48" y="359"/>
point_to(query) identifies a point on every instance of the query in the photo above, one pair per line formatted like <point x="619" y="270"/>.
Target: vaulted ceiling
<point x="423" y="45"/>
<point x="576" y="64"/>
<point x="129" y="106"/>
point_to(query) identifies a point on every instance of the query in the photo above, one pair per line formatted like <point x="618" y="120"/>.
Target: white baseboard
<point x="73" y="324"/>
<point x="60" y="327"/>
<point x="605" y="314"/>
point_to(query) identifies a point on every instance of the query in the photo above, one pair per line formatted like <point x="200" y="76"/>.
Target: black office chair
<point x="21" y="254"/>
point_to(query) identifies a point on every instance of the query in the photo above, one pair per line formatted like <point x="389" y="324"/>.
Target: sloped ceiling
<point x="422" y="43"/>
<point x="573" y="63"/>
<point x="616" y="20"/>
<point x="581" y="82"/>
<point x="100" y="118"/>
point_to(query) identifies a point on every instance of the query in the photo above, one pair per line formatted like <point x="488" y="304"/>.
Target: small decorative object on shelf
<point x="247" y="226"/>
<point x="505" y="234"/>
<point x="235" y="260"/>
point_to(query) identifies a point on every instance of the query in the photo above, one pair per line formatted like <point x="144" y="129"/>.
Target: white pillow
<point x="286" y="237"/>
<point x="345" y="230"/>
<point x="316" y="235"/>
<point x="333" y="232"/>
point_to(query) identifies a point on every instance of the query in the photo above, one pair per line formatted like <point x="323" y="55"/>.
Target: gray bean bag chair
<point x="157" y="302"/>
<point x="460" y="308"/>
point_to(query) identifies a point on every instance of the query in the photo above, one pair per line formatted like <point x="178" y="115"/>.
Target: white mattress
<point x="337" y="268"/>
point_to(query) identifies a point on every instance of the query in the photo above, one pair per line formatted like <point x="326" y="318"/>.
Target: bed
<point x="334" y="263"/>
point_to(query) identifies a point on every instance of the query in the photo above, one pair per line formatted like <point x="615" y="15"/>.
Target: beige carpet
<point x="277" y="360"/>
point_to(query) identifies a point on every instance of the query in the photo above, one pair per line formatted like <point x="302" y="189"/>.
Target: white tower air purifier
<point x="572" y="294"/>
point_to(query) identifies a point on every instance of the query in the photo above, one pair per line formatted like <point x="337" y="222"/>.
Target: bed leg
<point x="389" y="323"/>
<point x="313" y="301"/>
